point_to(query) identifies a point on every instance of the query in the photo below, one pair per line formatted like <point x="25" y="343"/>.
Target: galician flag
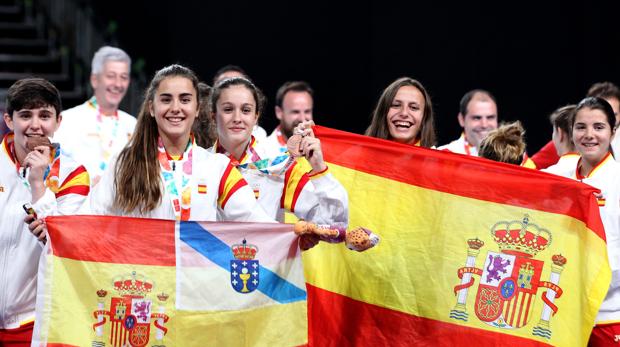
<point x="112" y="281"/>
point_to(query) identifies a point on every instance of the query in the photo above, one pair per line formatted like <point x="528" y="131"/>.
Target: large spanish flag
<point x="112" y="281"/>
<point x="471" y="252"/>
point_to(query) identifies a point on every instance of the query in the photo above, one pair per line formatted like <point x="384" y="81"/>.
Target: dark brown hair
<point x="597" y="103"/>
<point x="203" y="129"/>
<point x="604" y="90"/>
<point x="292" y="86"/>
<point x="227" y="68"/>
<point x="562" y="118"/>
<point x="29" y="93"/>
<point x="466" y="99"/>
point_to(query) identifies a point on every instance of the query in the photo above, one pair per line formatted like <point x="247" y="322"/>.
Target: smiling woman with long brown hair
<point x="404" y="113"/>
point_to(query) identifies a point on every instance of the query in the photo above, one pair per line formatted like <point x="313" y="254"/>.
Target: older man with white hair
<point x="96" y="130"/>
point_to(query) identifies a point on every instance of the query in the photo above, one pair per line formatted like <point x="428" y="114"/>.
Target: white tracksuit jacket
<point x="224" y="194"/>
<point x="19" y="249"/>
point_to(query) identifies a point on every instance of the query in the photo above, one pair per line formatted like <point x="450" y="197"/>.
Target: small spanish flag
<point x="600" y="201"/>
<point x="202" y="189"/>
<point x="256" y="193"/>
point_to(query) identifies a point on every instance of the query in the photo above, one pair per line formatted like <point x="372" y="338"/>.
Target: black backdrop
<point x="533" y="57"/>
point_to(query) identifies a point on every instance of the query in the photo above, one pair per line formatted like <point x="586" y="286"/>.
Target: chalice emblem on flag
<point x="510" y="278"/>
<point x="244" y="269"/>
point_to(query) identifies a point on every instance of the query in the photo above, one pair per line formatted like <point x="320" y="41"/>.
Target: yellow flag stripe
<point x="263" y="326"/>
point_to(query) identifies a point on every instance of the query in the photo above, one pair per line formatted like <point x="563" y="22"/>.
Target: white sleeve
<point x="323" y="200"/>
<point x="100" y="201"/>
<point x="69" y="198"/>
<point x="46" y="205"/>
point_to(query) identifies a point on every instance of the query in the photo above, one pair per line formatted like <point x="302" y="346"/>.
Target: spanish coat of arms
<point x="511" y="278"/>
<point x="130" y="313"/>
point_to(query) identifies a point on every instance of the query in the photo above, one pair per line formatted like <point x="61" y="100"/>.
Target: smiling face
<point x="110" y="85"/>
<point x="30" y="123"/>
<point x="175" y="107"/>
<point x="480" y="120"/>
<point x="405" y="114"/>
<point x="296" y="108"/>
<point x="235" y="116"/>
<point x="592" y="135"/>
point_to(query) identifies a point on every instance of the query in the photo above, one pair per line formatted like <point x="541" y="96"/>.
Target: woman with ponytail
<point x="505" y="144"/>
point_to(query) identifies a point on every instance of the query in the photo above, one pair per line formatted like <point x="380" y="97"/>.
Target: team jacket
<point x="566" y="163"/>
<point x="287" y="187"/>
<point x="461" y="146"/>
<point x="218" y="193"/>
<point x="605" y="176"/>
<point x="67" y="187"/>
<point x="274" y="145"/>
<point x="91" y="142"/>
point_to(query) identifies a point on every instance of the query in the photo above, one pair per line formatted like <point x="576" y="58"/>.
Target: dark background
<point x="533" y="57"/>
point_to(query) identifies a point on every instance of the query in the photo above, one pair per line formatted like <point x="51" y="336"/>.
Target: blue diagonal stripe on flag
<point x="212" y="248"/>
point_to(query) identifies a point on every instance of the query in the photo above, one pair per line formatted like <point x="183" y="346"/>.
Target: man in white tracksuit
<point x="96" y="130"/>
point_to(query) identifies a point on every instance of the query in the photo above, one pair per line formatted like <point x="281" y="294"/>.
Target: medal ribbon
<point x="466" y="145"/>
<point x="268" y="166"/>
<point x="181" y="202"/>
<point x="107" y="142"/>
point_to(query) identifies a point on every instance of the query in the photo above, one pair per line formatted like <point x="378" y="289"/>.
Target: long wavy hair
<point x="378" y="125"/>
<point x="137" y="180"/>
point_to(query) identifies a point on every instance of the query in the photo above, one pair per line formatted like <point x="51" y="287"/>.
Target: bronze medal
<point x="33" y="142"/>
<point x="293" y="145"/>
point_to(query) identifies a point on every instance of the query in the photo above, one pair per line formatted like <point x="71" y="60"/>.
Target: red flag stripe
<point x="121" y="240"/>
<point x="461" y="175"/>
<point x="370" y="325"/>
